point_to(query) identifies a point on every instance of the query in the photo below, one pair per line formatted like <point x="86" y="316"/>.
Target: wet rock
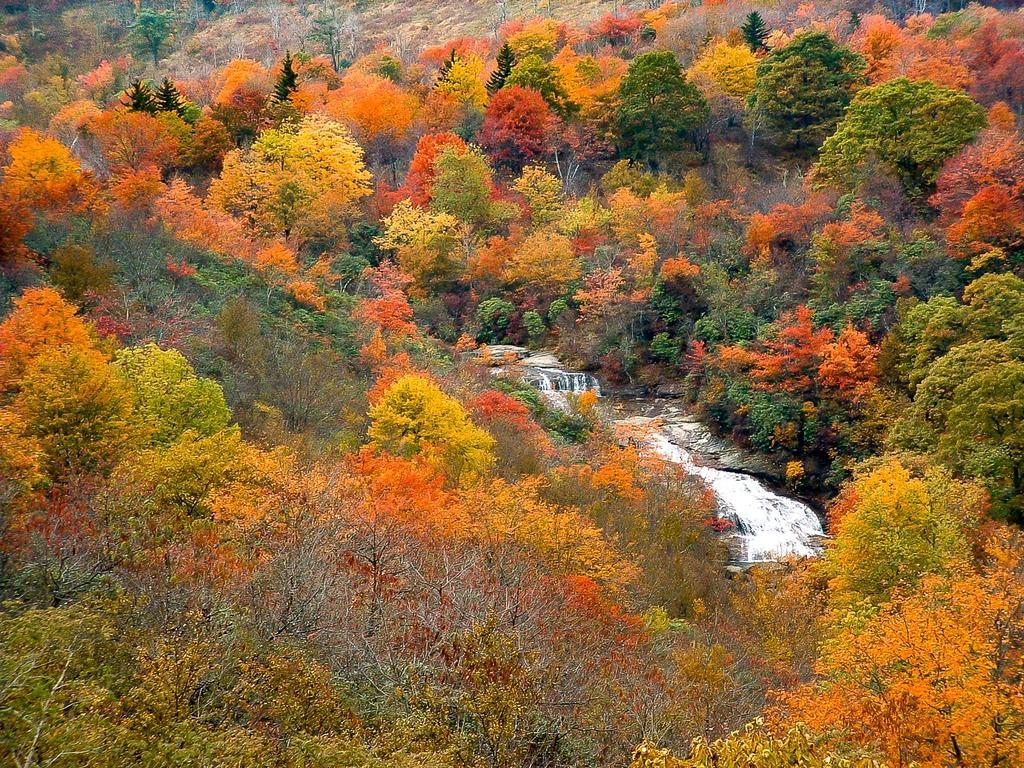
<point x="670" y="389"/>
<point x="624" y="391"/>
<point x="718" y="451"/>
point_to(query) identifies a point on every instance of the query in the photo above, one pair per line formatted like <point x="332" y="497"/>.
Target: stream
<point x="768" y="525"/>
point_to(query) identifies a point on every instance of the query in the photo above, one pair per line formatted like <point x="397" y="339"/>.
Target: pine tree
<point x="168" y="98"/>
<point x="854" y="20"/>
<point x="754" y="30"/>
<point x="140" y="97"/>
<point x="287" y="82"/>
<point x="506" y="60"/>
<point x="446" y="65"/>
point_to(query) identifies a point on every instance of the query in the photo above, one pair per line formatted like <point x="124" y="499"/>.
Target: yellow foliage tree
<point x="180" y="478"/>
<point x="561" y="537"/>
<point x="21" y="459"/>
<point x="733" y="68"/>
<point x="755" y="747"/>
<point x="464" y="81"/>
<point x="544" y="260"/>
<point x="899" y="526"/>
<point x="424" y="243"/>
<point x="79" y="410"/>
<point x="299" y="179"/>
<point x="414" y="417"/>
<point x="543" y="193"/>
<point x="539" y="37"/>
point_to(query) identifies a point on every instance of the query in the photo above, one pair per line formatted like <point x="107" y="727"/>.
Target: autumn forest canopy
<point x="275" y="489"/>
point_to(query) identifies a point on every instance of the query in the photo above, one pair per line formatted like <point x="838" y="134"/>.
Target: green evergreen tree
<point x="754" y="30"/>
<point x="659" y="108"/>
<point x="854" y="20"/>
<point x="803" y="89"/>
<point x="168" y="99"/>
<point x="140" y="98"/>
<point x="287" y="82"/>
<point x="506" y="60"/>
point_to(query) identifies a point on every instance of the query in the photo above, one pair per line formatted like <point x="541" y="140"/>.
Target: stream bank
<point x="768" y="525"/>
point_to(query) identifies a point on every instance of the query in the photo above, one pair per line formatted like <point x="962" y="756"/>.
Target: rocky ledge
<point x="689" y="432"/>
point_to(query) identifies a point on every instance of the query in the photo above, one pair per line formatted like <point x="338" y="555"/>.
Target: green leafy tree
<point x="140" y="97"/>
<point x="803" y="89"/>
<point x="327" y="29"/>
<point x="506" y="60"/>
<point x="963" y="362"/>
<point x="985" y="432"/>
<point x="660" y="109"/>
<point x="900" y="523"/>
<point x="664" y="347"/>
<point x="494" y="315"/>
<point x="390" y="68"/>
<point x="151" y="30"/>
<point x="911" y="127"/>
<point x="463" y="184"/>
<point x="533" y="72"/>
<point x="754" y="31"/>
<point x="535" y="326"/>
<point x="169" y="396"/>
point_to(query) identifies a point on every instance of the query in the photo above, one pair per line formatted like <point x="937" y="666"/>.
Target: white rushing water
<point x="768" y="526"/>
<point x="554" y="384"/>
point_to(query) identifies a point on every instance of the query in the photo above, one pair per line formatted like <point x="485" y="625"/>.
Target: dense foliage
<point x="265" y="501"/>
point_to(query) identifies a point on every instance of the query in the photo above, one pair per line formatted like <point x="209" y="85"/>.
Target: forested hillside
<point x="276" y="491"/>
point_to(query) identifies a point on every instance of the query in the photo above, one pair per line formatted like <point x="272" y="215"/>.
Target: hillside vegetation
<point x="267" y="498"/>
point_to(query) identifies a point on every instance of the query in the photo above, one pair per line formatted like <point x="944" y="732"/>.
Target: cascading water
<point x="554" y="384"/>
<point x="769" y="526"/>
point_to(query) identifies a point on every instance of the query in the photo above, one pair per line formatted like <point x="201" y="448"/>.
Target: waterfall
<point x="557" y="380"/>
<point x="768" y="526"/>
<point x="554" y="384"/>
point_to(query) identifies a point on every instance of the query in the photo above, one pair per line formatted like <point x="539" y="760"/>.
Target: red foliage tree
<point x="790" y="361"/>
<point x="615" y="29"/>
<point x="517" y="126"/>
<point x="420" y="178"/>
<point x="997" y="61"/>
<point x="849" y="365"/>
<point x="993" y="217"/>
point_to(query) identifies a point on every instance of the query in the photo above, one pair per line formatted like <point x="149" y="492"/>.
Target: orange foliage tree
<point x="934" y="677"/>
